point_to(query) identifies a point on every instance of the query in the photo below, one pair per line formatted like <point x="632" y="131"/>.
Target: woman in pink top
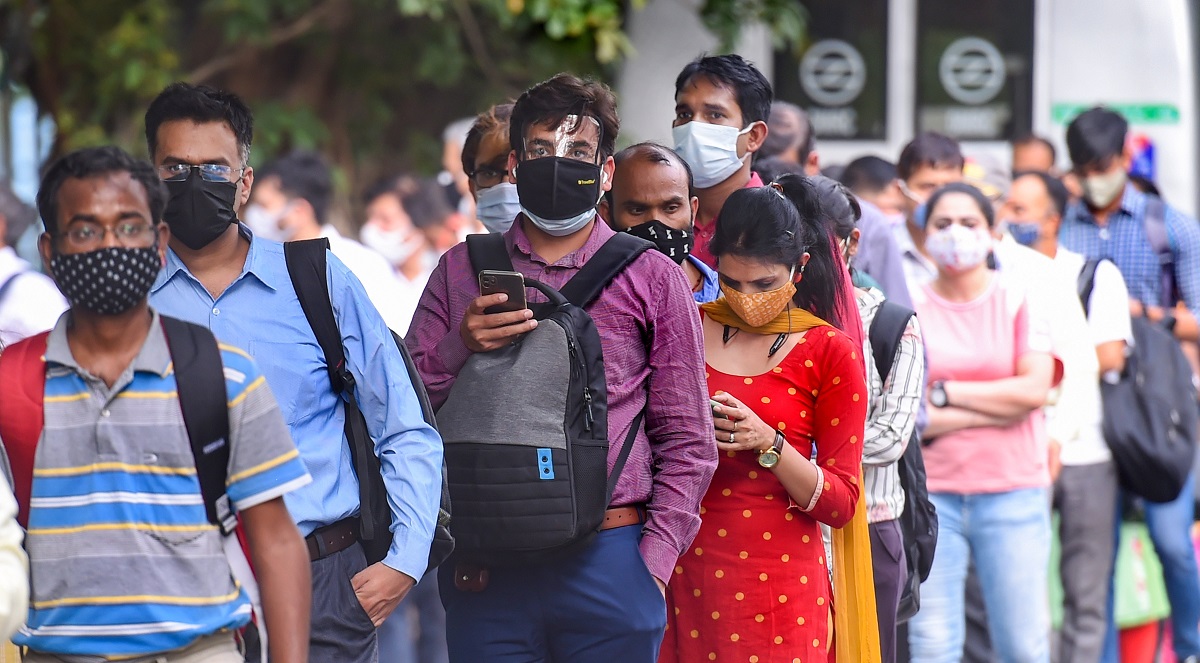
<point x="989" y="372"/>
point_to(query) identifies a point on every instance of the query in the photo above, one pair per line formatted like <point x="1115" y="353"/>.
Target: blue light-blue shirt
<point x="259" y="312"/>
<point x="1123" y="240"/>
<point x="711" y="289"/>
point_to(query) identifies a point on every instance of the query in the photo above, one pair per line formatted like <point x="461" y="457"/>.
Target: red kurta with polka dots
<point x="754" y="587"/>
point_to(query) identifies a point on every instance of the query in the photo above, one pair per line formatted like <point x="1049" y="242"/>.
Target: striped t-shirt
<point x="123" y="561"/>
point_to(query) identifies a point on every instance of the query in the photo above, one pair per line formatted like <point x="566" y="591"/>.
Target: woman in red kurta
<point x="755" y="585"/>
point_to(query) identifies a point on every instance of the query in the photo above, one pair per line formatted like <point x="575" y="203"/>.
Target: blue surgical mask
<point x="497" y="206"/>
<point x="561" y="227"/>
<point x="710" y="150"/>
<point x="1026" y="233"/>
<point x="919" y="215"/>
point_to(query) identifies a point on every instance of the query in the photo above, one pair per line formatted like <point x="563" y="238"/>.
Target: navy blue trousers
<point x="597" y="605"/>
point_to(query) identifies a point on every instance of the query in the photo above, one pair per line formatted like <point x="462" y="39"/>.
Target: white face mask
<point x="1100" y="190"/>
<point x="497" y="206"/>
<point x="958" y="248"/>
<point x="265" y="224"/>
<point x="710" y="150"/>
<point x="394" y="245"/>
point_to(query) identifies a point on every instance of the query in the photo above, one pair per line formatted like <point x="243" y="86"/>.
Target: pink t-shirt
<point x="982" y="340"/>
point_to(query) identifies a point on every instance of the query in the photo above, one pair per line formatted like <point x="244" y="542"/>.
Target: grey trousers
<point x="1086" y="498"/>
<point x="341" y="631"/>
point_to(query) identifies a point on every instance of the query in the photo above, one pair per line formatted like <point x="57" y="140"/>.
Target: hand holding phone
<point x="714" y="405"/>
<point x="492" y="282"/>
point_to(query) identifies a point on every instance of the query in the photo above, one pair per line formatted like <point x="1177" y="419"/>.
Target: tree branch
<point x="477" y="44"/>
<point x="276" y="37"/>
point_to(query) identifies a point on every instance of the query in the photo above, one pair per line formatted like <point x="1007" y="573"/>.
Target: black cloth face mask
<point x="198" y="211"/>
<point x="676" y="244"/>
<point x="106" y="281"/>
<point x="558" y="188"/>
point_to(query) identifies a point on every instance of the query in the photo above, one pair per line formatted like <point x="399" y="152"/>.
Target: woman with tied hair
<point x="790" y="404"/>
<point x="990" y="370"/>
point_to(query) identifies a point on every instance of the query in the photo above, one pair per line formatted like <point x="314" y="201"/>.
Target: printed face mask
<point x="394" y="245"/>
<point x="676" y="244"/>
<point x="106" y="281"/>
<point x="198" y="211"/>
<point x="1101" y="190"/>
<point x="710" y="150"/>
<point x="758" y="308"/>
<point x="497" y="206"/>
<point x="958" y="248"/>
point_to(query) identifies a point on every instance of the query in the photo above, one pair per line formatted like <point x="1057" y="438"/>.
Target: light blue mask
<point x="561" y="227"/>
<point x="710" y="150"/>
<point x="1025" y="233"/>
<point x="497" y="206"/>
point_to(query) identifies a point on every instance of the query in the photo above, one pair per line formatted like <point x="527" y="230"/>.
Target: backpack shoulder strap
<point x="23" y="374"/>
<point x="1155" y="223"/>
<point x="887" y="329"/>
<point x="617" y="253"/>
<point x="307" y="266"/>
<point x="1086" y="282"/>
<point x="200" y="383"/>
<point x="488" y="251"/>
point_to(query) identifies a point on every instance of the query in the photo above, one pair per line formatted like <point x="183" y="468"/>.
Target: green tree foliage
<point x="370" y="82"/>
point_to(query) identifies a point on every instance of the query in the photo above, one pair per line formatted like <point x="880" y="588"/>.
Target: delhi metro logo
<point x="972" y="71"/>
<point x="832" y="73"/>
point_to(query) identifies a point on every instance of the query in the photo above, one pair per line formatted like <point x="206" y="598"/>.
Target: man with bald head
<point x="653" y="197"/>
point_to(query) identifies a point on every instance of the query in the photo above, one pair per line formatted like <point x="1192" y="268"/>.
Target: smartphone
<point x="714" y="405"/>
<point x="510" y="283"/>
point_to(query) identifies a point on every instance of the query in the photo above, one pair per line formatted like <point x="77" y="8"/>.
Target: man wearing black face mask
<point x="126" y="545"/>
<point x="653" y="197"/>
<point x="219" y="275"/>
<point x="602" y="601"/>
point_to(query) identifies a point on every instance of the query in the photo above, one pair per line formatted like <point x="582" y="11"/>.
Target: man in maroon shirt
<point x="603" y="602"/>
<point x="721" y="108"/>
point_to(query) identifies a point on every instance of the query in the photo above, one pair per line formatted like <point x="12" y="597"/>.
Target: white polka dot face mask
<point x="106" y="281"/>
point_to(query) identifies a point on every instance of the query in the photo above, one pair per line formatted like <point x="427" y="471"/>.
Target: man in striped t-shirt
<point x="124" y="562"/>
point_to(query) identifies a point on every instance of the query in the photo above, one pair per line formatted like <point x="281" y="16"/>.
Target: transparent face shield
<point x="576" y="138"/>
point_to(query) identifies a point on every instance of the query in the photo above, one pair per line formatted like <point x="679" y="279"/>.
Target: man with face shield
<point x="219" y="275"/>
<point x="722" y="104"/>
<point x="653" y="197"/>
<point x="603" y="600"/>
<point x="1116" y="221"/>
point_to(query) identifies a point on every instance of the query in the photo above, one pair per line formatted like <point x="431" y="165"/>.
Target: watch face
<point x="768" y="458"/>
<point x="937" y="397"/>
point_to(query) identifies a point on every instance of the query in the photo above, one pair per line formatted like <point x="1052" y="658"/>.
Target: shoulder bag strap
<point x="617" y="253"/>
<point x="489" y="251"/>
<point x="1086" y="283"/>
<point x="887" y="329"/>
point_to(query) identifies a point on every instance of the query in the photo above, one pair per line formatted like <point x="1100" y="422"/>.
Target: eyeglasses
<point x="86" y="236"/>
<point x="487" y="177"/>
<point x="209" y="172"/>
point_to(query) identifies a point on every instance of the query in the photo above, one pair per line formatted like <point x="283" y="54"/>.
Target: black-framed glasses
<point x="209" y="172"/>
<point x="86" y="236"/>
<point x="486" y="177"/>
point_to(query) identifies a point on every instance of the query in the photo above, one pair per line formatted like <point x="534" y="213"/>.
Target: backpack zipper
<point x="589" y="417"/>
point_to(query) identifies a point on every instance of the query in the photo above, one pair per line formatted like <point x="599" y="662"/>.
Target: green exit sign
<point x="1134" y="113"/>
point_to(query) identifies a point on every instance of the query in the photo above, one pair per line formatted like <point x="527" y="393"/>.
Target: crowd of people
<point x="714" y="401"/>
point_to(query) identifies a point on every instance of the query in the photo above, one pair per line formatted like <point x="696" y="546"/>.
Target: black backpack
<point x="918" y="521"/>
<point x="306" y="265"/>
<point x="1150" y="414"/>
<point x="525" y="427"/>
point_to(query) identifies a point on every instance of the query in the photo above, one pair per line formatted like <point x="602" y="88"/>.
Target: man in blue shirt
<point x="219" y="275"/>
<point x="1110" y="222"/>
<point x="653" y="197"/>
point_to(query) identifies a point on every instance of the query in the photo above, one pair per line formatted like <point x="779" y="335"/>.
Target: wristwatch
<point x="937" y="394"/>
<point x="769" y="458"/>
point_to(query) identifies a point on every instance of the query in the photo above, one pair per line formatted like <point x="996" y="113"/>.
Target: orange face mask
<point x="758" y="308"/>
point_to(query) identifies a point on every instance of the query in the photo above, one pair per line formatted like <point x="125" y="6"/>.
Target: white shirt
<point x="14" y="569"/>
<point x="31" y="304"/>
<point x="1074" y="418"/>
<point x="383" y="288"/>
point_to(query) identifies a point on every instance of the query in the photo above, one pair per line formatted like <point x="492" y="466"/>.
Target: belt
<point x="330" y="539"/>
<point x="623" y="516"/>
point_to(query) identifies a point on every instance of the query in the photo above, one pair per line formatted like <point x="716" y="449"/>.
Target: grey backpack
<point x="525" y="427"/>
